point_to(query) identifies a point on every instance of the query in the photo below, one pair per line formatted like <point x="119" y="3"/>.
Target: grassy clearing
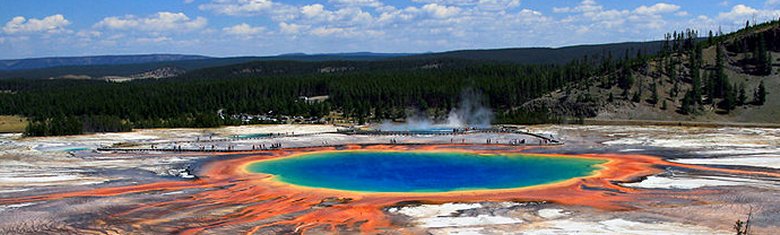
<point x="10" y="124"/>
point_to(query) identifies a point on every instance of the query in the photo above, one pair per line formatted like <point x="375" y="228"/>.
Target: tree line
<point x="359" y="90"/>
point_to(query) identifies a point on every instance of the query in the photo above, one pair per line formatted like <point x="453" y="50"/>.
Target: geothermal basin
<point x="604" y="180"/>
<point x="399" y="171"/>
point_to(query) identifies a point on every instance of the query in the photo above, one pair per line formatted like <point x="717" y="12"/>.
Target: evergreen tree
<point x="626" y="79"/>
<point x="729" y="101"/>
<point x="768" y="64"/>
<point x="36" y="128"/>
<point x="720" y="81"/>
<point x="710" y="88"/>
<point x="672" y="70"/>
<point x="665" y="45"/>
<point x="640" y="57"/>
<point x="742" y="97"/>
<point x="637" y="95"/>
<point x="624" y="94"/>
<point x="654" y="95"/>
<point x="759" y="97"/>
<point x="764" y="58"/>
<point x="687" y="103"/>
<point x="696" y="86"/>
<point x="675" y="90"/>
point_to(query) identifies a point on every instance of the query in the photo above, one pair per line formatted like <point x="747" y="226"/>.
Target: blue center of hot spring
<point x="422" y="171"/>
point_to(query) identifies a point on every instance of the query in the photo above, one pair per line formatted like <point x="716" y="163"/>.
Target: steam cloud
<point x="471" y="112"/>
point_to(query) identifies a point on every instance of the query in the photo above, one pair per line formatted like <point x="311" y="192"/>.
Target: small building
<point x="314" y="99"/>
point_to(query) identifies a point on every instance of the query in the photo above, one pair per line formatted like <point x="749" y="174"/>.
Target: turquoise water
<point x="75" y="149"/>
<point x="248" y="136"/>
<point x="422" y="171"/>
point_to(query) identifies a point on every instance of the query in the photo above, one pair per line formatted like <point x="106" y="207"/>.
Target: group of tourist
<point x="263" y="146"/>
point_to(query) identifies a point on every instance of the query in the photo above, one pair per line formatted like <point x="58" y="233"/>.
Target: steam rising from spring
<point x="471" y="112"/>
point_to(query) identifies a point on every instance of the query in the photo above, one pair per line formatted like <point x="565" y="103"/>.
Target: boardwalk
<point x="469" y="137"/>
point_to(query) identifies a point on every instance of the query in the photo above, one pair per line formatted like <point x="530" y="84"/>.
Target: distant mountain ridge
<point x="548" y="55"/>
<point x="344" y="54"/>
<point x="48" y="62"/>
<point x="128" y="65"/>
<point x="51" y="62"/>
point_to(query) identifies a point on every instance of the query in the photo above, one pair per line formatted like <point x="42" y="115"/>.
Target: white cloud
<point x="89" y="33"/>
<point x="291" y="28"/>
<point x="50" y="24"/>
<point x="531" y="14"/>
<point x="588" y="6"/>
<point x="313" y="10"/>
<point x="153" y="39"/>
<point x="345" y="32"/>
<point x="394" y="15"/>
<point x="772" y="2"/>
<point x="277" y="11"/>
<point x="243" y="30"/>
<point x="485" y="5"/>
<point x="740" y="13"/>
<point x="508" y="3"/>
<point x="450" y="2"/>
<point x="238" y="7"/>
<point x="160" y="22"/>
<point x="324" y="31"/>
<point x="440" y="11"/>
<point x="594" y="15"/>
<point x="658" y="8"/>
<point x="562" y="9"/>
<point x="590" y="14"/>
<point x="358" y="3"/>
<point x="114" y="22"/>
<point x="584" y="6"/>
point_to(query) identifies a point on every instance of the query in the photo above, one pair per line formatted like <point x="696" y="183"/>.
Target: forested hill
<point x="257" y="69"/>
<point x="560" y="55"/>
<point x="722" y="77"/>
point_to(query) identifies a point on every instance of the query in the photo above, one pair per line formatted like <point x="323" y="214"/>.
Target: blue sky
<point x="39" y="28"/>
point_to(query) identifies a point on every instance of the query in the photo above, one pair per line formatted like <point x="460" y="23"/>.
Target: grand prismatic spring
<point x="327" y="182"/>
<point x="396" y="171"/>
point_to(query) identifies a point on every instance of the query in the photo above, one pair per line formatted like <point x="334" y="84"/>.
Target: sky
<point x="42" y="28"/>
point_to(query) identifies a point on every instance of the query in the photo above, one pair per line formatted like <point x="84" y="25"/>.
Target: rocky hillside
<point x="693" y="78"/>
<point x="163" y="72"/>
